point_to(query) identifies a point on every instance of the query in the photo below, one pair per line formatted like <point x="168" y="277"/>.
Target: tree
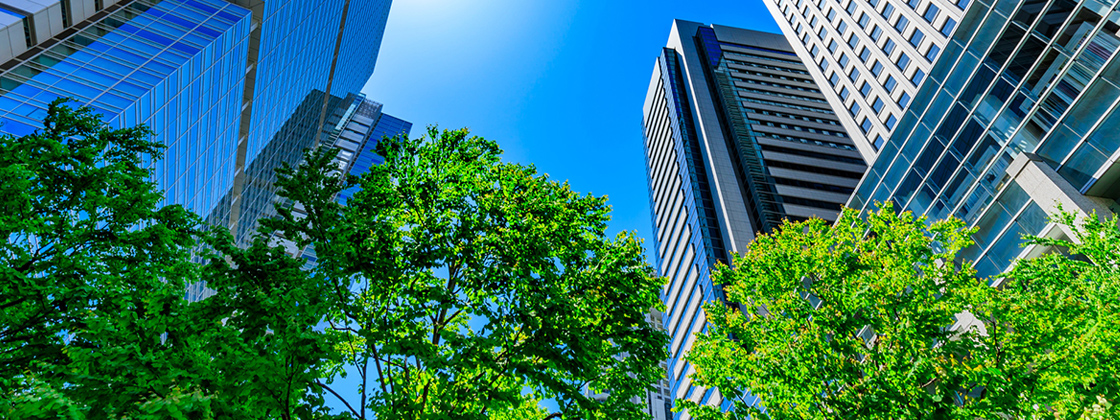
<point x="840" y="321"/>
<point x="455" y="285"/>
<point x="93" y="323"/>
<point x="1059" y="318"/>
<point x="875" y="317"/>
<point x="462" y="286"/>
<point x="86" y="250"/>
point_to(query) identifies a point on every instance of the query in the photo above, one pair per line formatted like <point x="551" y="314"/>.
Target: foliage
<point x="92" y="279"/>
<point x="877" y="318"/>
<point x="837" y="321"/>
<point x="458" y="282"/>
<point x="474" y="288"/>
<point x="1060" y="325"/>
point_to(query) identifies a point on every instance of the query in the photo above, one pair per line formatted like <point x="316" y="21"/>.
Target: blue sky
<point x="559" y="84"/>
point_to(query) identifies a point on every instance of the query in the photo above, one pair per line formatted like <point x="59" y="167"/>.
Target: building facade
<point x="1019" y="116"/>
<point x="870" y="56"/>
<point x="1016" y="117"/>
<point x="738" y="137"/>
<point x="217" y="81"/>
<point x="355" y="129"/>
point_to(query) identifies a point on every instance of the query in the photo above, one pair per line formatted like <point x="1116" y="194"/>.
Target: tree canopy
<point x="876" y="317"/>
<point x="453" y="284"/>
<point x="463" y="285"/>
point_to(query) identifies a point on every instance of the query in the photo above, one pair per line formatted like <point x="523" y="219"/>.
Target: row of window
<point x="806" y="141"/>
<point x="771" y="84"/>
<point x="800" y="128"/>
<point x="791" y="116"/>
<point x="785" y="105"/>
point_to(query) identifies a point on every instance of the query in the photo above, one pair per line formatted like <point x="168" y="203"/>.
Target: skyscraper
<point x="355" y="129"/>
<point x="1017" y="116"/>
<point x="873" y="54"/>
<point x="217" y="81"/>
<point x="737" y="138"/>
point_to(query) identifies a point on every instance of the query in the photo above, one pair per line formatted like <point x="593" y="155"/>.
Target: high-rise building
<point x="738" y="137"/>
<point x="1018" y="114"/>
<point x="869" y="55"/>
<point x="355" y="129"/>
<point x="216" y="80"/>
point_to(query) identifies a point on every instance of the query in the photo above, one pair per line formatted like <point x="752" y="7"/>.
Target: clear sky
<point x="558" y="84"/>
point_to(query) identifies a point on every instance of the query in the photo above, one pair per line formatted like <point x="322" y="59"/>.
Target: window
<point x="963" y="4"/>
<point x="931" y="13"/>
<point x="854" y="74"/>
<point x="843" y="60"/>
<point x="878" y="144"/>
<point x="821" y="32"/>
<point x="888" y="47"/>
<point x="842" y="26"/>
<point x="877" y="105"/>
<point x="903" y="61"/>
<point x="854" y="108"/>
<point x="875" y="3"/>
<point x="865" y="89"/>
<point x="831" y="14"/>
<point x="844" y="93"/>
<point x="851" y="8"/>
<point x="888" y="10"/>
<point x="864" y="53"/>
<point x="917" y="37"/>
<point x="832" y="45"/>
<point x="902" y="23"/>
<point x="904" y="100"/>
<point x="890" y="84"/>
<point x="932" y="53"/>
<point x="918" y="76"/>
<point x="853" y="40"/>
<point x="815" y="50"/>
<point x="891" y="121"/>
<point x="805" y="38"/>
<point x="947" y="29"/>
<point x="833" y="79"/>
<point x="877" y="68"/>
<point x="813" y="22"/>
<point x="863" y="19"/>
<point x="876" y="33"/>
<point x="823" y="64"/>
<point x="865" y="125"/>
<point x="914" y="4"/>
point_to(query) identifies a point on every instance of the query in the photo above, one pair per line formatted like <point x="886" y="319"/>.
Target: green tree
<point x="456" y="286"/>
<point x="840" y="320"/>
<point x="877" y="318"/>
<point x="1058" y="324"/>
<point x="93" y="323"/>
<point x="461" y="286"/>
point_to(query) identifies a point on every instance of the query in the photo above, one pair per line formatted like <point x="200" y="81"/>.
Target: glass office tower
<point x="175" y="65"/>
<point x="874" y="54"/>
<point x="738" y="137"/>
<point x="216" y="80"/>
<point x="1020" y="115"/>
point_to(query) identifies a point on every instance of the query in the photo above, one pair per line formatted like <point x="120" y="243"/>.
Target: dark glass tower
<point x="738" y="137"/>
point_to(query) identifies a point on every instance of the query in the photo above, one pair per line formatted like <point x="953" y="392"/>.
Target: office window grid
<point x="177" y="66"/>
<point x="1022" y="97"/>
<point x="883" y="25"/>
